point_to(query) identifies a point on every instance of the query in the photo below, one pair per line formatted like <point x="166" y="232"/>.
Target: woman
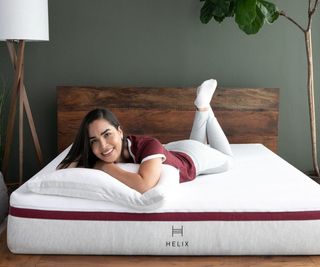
<point x="100" y="144"/>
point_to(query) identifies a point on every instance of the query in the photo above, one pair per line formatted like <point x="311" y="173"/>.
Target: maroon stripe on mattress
<point x="168" y="216"/>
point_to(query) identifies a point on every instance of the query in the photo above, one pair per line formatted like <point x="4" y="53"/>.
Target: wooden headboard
<point x="247" y="115"/>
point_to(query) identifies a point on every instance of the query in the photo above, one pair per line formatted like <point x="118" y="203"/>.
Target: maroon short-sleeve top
<point x="142" y="148"/>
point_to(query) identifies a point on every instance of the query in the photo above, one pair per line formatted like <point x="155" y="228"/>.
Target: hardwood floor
<point x="7" y="259"/>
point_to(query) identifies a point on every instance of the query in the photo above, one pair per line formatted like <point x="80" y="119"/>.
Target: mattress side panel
<point x="31" y="236"/>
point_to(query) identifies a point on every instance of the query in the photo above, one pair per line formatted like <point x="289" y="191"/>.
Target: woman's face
<point x="105" y="140"/>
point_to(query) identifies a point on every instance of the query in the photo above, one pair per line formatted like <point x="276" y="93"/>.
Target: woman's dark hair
<point x="80" y="151"/>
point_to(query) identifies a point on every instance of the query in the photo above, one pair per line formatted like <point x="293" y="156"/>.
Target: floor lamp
<point x="21" y="21"/>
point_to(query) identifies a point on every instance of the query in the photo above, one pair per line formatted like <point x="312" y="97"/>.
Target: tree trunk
<point x="308" y="42"/>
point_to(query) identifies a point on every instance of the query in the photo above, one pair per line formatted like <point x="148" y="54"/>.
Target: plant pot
<point x="4" y="199"/>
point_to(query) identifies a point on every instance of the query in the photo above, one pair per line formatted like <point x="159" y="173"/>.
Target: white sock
<point x="204" y="93"/>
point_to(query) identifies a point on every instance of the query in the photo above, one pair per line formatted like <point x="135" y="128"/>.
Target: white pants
<point x="213" y="158"/>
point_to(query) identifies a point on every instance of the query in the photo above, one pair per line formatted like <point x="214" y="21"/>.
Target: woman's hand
<point x="147" y="177"/>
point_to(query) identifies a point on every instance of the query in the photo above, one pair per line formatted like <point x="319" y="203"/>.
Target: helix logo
<point x="177" y="233"/>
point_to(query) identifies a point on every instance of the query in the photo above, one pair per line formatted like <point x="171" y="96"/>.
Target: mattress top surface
<point x="259" y="181"/>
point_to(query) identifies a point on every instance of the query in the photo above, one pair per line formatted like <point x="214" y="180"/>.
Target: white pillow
<point x="98" y="185"/>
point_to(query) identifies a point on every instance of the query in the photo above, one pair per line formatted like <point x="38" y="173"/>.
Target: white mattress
<point x="262" y="206"/>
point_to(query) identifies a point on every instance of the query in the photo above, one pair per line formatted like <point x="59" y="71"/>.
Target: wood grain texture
<point x="247" y="115"/>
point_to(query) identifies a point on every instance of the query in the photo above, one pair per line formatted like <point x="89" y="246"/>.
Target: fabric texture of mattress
<point x="262" y="206"/>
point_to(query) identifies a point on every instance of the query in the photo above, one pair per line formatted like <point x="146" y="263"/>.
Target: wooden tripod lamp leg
<point x="21" y="128"/>
<point x="13" y="107"/>
<point x="19" y="88"/>
<point x="35" y="138"/>
<point x="32" y="125"/>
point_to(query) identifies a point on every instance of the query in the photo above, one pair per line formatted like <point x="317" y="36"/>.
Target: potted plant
<point x="250" y="15"/>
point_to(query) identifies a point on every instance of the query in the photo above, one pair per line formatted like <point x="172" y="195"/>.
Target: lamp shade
<point x="24" y="20"/>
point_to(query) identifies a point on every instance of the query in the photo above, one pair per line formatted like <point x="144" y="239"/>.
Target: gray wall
<point x="163" y="43"/>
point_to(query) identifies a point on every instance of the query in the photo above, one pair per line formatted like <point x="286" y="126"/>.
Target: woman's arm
<point x="147" y="177"/>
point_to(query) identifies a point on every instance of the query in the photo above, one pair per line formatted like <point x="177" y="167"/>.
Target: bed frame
<point x="247" y="115"/>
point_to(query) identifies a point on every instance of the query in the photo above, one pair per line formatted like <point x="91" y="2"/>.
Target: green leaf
<point x="218" y="19"/>
<point x="269" y="10"/>
<point x="206" y="12"/>
<point x="221" y="7"/>
<point x="250" y="15"/>
<point x="245" y="12"/>
<point x="256" y="24"/>
<point x="218" y="9"/>
<point x="232" y="8"/>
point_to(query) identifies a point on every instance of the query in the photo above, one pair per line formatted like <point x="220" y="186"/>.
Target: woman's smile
<point x="108" y="152"/>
